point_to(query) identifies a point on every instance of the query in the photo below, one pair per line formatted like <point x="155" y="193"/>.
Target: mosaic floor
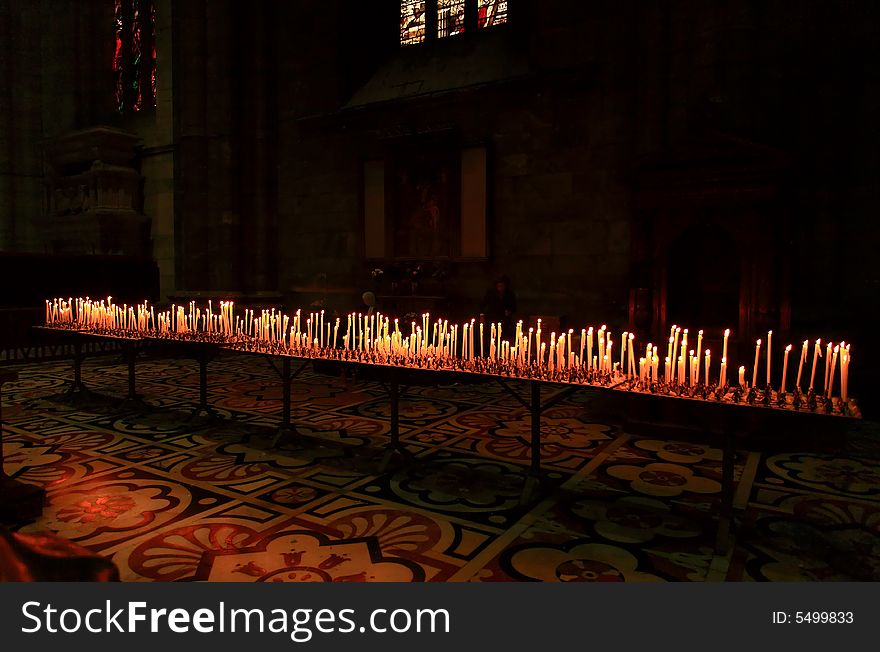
<point x="169" y="498"/>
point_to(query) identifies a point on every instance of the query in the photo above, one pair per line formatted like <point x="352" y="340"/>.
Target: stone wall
<point x="609" y="84"/>
<point x="267" y="112"/>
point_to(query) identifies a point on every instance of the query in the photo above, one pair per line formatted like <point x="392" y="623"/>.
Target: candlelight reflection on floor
<point x="167" y="498"/>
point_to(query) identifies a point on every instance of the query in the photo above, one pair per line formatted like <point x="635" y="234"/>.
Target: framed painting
<point x="426" y="203"/>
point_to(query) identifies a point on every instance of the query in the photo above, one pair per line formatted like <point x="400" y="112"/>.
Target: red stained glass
<point x="491" y="12"/>
<point x="412" y="22"/>
<point x="118" y="64"/>
<point x="136" y="56"/>
<point x="153" y="51"/>
<point x="134" y="61"/>
<point x="450" y="18"/>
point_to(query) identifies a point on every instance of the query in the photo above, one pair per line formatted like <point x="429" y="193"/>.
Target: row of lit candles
<point x="381" y="335"/>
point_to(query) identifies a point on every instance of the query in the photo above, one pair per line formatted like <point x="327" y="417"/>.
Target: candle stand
<point x="717" y="413"/>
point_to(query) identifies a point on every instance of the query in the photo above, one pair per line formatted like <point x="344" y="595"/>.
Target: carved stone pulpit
<point x="94" y="194"/>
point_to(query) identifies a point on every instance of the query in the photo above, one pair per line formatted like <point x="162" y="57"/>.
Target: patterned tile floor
<point x="168" y="498"/>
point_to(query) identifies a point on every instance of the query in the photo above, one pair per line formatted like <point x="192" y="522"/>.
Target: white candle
<point x="675" y="345"/>
<point x="590" y="348"/>
<point x="769" y="360"/>
<point x="755" y="369"/>
<point x="817" y="352"/>
<point x="742" y="376"/>
<point x="699" y="355"/>
<point x="801" y="364"/>
<point x="724" y="347"/>
<point x="631" y="356"/>
<point x="691" y="367"/>
<point x="827" y="365"/>
<point x="785" y="367"/>
<point x="583" y="343"/>
<point x="833" y="366"/>
<point x="708" y="364"/>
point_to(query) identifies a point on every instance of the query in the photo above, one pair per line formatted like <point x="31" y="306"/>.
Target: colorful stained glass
<point x="136" y="56"/>
<point x="134" y="60"/>
<point x="412" y="22"/>
<point x="491" y="12"/>
<point x="153" y="51"/>
<point x="118" y="63"/>
<point x="450" y="17"/>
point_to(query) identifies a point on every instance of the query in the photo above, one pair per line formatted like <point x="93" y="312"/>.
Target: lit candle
<point x="742" y="376"/>
<point x="583" y="338"/>
<point x="831" y="377"/>
<point x="691" y="367"/>
<point x="755" y="369"/>
<point x="622" y="350"/>
<point x="708" y="364"/>
<point x="724" y="347"/>
<point x="699" y="355"/>
<point x="590" y="348"/>
<point x="529" y="347"/>
<point x="785" y="367"/>
<point x="675" y="346"/>
<point x="632" y="363"/>
<point x="769" y="360"/>
<point x="723" y="378"/>
<point x="817" y="353"/>
<point x="827" y="365"/>
<point x="801" y="364"/>
<point x="608" y="357"/>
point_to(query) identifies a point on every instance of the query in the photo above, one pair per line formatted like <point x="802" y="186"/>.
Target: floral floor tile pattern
<point x="168" y="497"/>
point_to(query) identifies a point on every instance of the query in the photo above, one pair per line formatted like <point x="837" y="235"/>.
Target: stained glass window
<point x="450" y="17"/>
<point x="491" y="12"/>
<point x="422" y="20"/>
<point x="134" y="60"/>
<point x="412" y="21"/>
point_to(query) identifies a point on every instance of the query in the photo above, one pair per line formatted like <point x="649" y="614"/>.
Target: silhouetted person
<point x="499" y="305"/>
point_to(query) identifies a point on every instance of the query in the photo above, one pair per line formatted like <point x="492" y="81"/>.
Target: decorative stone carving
<point x="94" y="198"/>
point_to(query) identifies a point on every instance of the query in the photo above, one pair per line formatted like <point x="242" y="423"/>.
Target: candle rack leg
<point x="133" y="401"/>
<point x="533" y="479"/>
<point x="78" y="390"/>
<point x="394" y="445"/>
<point x="285" y="428"/>
<point x="725" y="519"/>
<point x="204" y="409"/>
